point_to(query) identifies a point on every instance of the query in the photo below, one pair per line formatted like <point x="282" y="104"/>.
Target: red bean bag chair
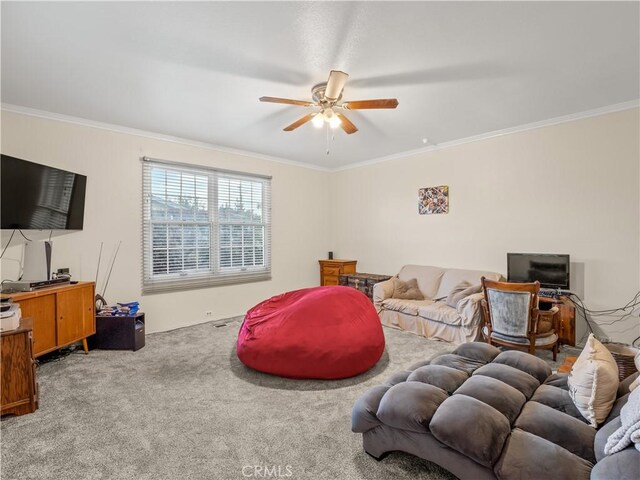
<point x="321" y="332"/>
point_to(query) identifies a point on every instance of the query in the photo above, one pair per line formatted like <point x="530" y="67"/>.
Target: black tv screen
<point x="551" y="270"/>
<point x="37" y="197"/>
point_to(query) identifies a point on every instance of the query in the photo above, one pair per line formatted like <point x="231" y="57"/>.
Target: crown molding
<point x="32" y="112"/>
<point x="618" y="107"/>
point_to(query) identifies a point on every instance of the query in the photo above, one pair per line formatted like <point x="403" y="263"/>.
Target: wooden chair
<point x="511" y="317"/>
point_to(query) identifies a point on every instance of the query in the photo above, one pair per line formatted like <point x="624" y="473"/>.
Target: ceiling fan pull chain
<point x="327" y="138"/>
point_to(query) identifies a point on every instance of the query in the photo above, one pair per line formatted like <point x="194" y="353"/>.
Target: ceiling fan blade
<point x="299" y="122"/>
<point x="335" y="84"/>
<point x="346" y="124"/>
<point x="369" y="104"/>
<point x="288" y="101"/>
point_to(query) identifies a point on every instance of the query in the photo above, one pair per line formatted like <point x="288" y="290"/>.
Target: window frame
<point x="216" y="274"/>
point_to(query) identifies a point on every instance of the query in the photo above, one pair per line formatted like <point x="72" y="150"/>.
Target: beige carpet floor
<point x="184" y="407"/>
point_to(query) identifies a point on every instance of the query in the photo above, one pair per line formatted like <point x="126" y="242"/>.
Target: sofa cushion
<point x="558" y="399"/>
<point x="623" y="465"/>
<point x="410" y="406"/>
<point x="507" y="400"/>
<point x="483" y="352"/>
<point x="440" y="312"/>
<point x="593" y="381"/>
<point x="428" y="278"/>
<point x="534" y="366"/>
<point x="446" y="378"/>
<point x="511" y="376"/>
<point x="602" y="435"/>
<point x="408" y="307"/>
<point x="454" y="276"/>
<point x="467" y="365"/>
<point x="406" y="290"/>
<point x="471" y="427"/>
<point x="570" y="433"/>
<point x="529" y="457"/>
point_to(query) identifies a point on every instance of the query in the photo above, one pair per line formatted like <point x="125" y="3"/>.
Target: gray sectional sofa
<point x="483" y="414"/>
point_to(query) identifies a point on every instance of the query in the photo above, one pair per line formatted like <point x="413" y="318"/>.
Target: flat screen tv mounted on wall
<point x="37" y="197"/>
<point x="551" y="270"/>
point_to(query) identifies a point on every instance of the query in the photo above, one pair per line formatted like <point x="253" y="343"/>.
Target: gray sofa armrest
<point x="624" y="465"/>
<point x="382" y="291"/>
<point x="470" y="309"/>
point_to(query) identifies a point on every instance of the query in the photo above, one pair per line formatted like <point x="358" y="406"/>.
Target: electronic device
<point x="10" y="317"/>
<point x="37" y="260"/>
<point x="30" y="285"/>
<point x="551" y="270"/>
<point x="37" y="197"/>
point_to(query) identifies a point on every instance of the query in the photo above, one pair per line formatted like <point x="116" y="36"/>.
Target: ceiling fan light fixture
<point x="334" y="121"/>
<point x="318" y="120"/>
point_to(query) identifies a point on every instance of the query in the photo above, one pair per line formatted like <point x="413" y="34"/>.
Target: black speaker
<point x="330" y="255"/>
<point x="118" y="333"/>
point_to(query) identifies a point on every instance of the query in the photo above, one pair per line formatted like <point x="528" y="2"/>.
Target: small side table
<point x="330" y="270"/>
<point x="118" y="332"/>
<point x="363" y="281"/>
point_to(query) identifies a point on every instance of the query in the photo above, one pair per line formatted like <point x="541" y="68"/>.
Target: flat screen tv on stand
<point x="551" y="270"/>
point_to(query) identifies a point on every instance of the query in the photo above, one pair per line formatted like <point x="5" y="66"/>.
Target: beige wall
<point x="112" y="164"/>
<point x="570" y="188"/>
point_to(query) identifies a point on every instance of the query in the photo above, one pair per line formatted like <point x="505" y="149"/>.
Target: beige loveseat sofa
<point x="429" y="317"/>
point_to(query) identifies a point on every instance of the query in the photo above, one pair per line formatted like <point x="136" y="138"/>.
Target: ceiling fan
<point x="327" y="98"/>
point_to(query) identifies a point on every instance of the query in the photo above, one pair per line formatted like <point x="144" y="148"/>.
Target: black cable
<point x="25" y="237"/>
<point x="8" y="243"/>
<point x="586" y="313"/>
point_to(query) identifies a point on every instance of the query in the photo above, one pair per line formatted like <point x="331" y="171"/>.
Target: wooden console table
<point x="18" y="371"/>
<point x="61" y="315"/>
<point x="567" y="320"/>
<point x="330" y="270"/>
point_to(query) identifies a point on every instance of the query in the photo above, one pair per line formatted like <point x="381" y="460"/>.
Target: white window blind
<point x="203" y="227"/>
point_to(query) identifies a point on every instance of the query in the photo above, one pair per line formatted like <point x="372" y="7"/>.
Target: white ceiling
<point x="196" y="70"/>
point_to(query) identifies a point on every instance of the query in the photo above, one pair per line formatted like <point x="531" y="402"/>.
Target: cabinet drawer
<point x="331" y="280"/>
<point x="331" y="270"/>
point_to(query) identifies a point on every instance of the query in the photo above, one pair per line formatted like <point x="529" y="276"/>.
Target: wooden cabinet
<point x="330" y="270"/>
<point x="19" y="394"/>
<point x="61" y="315"/>
<point x="567" y="320"/>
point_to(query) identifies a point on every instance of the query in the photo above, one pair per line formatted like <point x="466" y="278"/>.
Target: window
<point x="203" y="227"/>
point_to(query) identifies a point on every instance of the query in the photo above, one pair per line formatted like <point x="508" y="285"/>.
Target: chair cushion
<point x="593" y="381"/>
<point x="540" y="341"/>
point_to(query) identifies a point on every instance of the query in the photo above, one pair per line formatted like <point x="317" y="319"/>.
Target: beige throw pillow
<point x="460" y="291"/>
<point x="406" y="290"/>
<point x="593" y="382"/>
